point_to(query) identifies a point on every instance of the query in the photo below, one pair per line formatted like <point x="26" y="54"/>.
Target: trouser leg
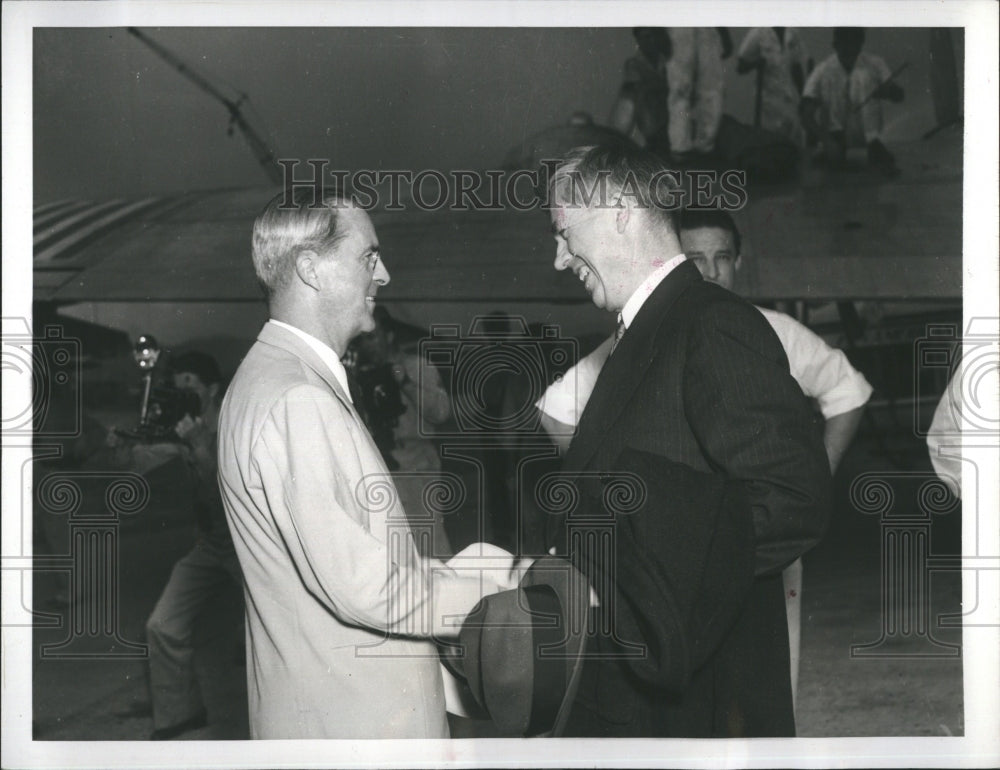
<point x="170" y="630"/>
<point x="680" y="82"/>
<point x="831" y="117"/>
<point x="708" y="89"/>
<point x="868" y="115"/>
<point x="792" y="578"/>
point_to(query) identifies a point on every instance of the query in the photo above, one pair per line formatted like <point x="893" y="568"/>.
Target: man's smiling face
<point x="350" y="274"/>
<point x="586" y="243"/>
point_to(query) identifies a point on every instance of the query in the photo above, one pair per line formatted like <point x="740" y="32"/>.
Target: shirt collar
<point x="327" y="354"/>
<point x="641" y="294"/>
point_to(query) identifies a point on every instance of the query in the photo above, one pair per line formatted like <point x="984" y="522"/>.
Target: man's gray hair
<point x="602" y="174"/>
<point x="286" y="228"/>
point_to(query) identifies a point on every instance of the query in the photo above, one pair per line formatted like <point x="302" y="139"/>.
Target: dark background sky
<point x="112" y="119"/>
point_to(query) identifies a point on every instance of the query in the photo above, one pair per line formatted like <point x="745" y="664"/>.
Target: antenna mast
<point x="263" y="153"/>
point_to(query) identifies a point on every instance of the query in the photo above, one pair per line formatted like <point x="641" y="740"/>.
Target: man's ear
<point x="213" y="392"/>
<point x="305" y="268"/>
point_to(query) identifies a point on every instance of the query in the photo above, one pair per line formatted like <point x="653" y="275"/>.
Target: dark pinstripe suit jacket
<point x="697" y="402"/>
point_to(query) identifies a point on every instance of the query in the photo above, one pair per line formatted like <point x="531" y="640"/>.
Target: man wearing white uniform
<point x="695" y="82"/>
<point x="779" y="55"/>
<point x="841" y="102"/>
<point x="640" y="112"/>
<point x="711" y="241"/>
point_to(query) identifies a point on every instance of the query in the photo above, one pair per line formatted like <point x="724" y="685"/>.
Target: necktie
<point x="619" y="333"/>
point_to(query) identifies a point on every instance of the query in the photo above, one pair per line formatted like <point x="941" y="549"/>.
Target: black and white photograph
<point x="501" y="384"/>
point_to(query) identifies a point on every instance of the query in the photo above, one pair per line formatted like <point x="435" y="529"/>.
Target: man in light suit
<point x="341" y="609"/>
<point x="696" y="393"/>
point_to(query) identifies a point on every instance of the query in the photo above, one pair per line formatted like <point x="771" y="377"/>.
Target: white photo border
<point x="980" y="744"/>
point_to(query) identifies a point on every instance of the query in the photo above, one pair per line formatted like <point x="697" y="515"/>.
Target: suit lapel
<point x="626" y="367"/>
<point x="272" y="334"/>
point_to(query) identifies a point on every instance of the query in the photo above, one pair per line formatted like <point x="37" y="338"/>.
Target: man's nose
<point x="711" y="270"/>
<point x="563" y="257"/>
<point x="381" y="276"/>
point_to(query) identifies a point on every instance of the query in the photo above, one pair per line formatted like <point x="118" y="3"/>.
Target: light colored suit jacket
<point x="339" y="604"/>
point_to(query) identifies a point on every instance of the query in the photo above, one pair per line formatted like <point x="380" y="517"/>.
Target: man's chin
<point x="366" y="323"/>
<point x="600" y="301"/>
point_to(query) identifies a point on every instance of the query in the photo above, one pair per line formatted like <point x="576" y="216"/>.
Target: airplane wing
<point x="849" y="237"/>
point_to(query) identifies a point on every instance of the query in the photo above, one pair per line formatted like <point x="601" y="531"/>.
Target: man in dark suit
<point x="697" y="407"/>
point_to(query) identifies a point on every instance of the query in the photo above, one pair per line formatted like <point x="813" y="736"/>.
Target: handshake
<point x="521" y="644"/>
<point x="499" y="567"/>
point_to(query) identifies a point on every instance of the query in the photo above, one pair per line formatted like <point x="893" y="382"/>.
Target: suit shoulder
<point x="269" y="376"/>
<point x="267" y="366"/>
<point x="711" y="302"/>
<point x="718" y="311"/>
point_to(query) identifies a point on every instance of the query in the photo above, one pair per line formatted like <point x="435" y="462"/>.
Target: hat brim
<point x="522" y="650"/>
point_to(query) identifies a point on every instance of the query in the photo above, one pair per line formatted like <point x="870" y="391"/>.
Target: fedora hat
<point x="521" y="651"/>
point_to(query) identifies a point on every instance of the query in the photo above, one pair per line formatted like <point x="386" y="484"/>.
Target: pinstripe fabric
<point x="702" y="380"/>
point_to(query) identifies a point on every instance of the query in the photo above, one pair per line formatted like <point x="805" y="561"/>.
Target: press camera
<point x="162" y="405"/>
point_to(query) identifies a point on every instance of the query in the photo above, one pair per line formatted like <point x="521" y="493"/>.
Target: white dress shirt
<point x="822" y="372"/>
<point x="647" y="287"/>
<point x="327" y="354"/>
<point x="564" y="400"/>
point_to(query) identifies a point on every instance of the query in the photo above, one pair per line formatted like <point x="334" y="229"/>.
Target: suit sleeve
<point x="753" y="422"/>
<point x="311" y="472"/>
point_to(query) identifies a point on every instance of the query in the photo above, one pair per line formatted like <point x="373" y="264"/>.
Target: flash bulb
<point x="146" y="352"/>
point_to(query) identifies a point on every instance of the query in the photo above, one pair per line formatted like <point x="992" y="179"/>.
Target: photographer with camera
<point x="396" y="395"/>
<point x="192" y="405"/>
